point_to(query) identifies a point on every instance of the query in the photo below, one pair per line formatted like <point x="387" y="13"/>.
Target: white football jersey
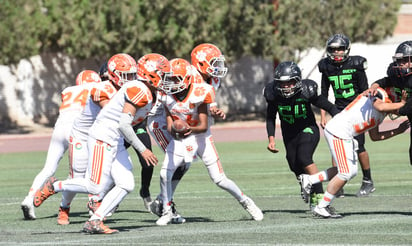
<point x="73" y="102"/>
<point x="358" y="117"/>
<point x="97" y="92"/>
<point x="187" y="109"/>
<point x="106" y="126"/>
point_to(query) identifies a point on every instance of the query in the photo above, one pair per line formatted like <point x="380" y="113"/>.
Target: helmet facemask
<point x="217" y="67"/>
<point x="402" y="65"/>
<point x="124" y="77"/>
<point x="171" y="84"/>
<point x="288" y="87"/>
<point x="336" y="43"/>
<point x="336" y="56"/>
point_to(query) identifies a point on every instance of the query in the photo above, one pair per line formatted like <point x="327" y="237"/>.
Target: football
<point x="179" y="128"/>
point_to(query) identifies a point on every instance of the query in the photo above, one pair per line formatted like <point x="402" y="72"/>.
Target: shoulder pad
<point x="358" y="62"/>
<point x="269" y="92"/>
<point x="322" y="65"/>
<point x="309" y="88"/>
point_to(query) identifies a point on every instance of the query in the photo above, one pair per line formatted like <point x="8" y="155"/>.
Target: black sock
<point x="367" y="174"/>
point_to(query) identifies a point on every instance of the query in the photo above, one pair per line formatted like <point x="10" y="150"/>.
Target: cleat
<point x="340" y="194"/>
<point x="63" y="216"/>
<point x="44" y="192"/>
<point x="177" y="218"/>
<point x="252" y="209"/>
<point x="327" y="212"/>
<point x="93" y="205"/>
<point x="306" y="187"/>
<point x="366" y="188"/>
<point x="314" y="200"/>
<point x="97" y="227"/>
<point x="147" y="201"/>
<point x="165" y="219"/>
<point x="156" y="207"/>
<point x="28" y="208"/>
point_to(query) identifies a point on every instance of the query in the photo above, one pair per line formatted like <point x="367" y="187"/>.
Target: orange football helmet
<point x="155" y="69"/>
<point x="208" y="59"/>
<point x="122" y="68"/>
<point x="87" y="76"/>
<point x="181" y="78"/>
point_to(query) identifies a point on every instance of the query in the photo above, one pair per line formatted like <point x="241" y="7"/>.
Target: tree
<point x="267" y="29"/>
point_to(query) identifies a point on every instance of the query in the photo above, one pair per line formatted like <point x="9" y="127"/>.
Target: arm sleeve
<point x="324" y="86"/>
<point x="125" y="127"/>
<point x="384" y="82"/>
<point x="407" y="108"/>
<point x="363" y="81"/>
<point x="323" y="103"/>
<point x="271" y="111"/>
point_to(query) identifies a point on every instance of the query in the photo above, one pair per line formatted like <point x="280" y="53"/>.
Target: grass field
<point x="214" y="217"/>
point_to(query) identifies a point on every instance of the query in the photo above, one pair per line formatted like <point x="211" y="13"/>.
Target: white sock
<point x="113" y="198"/>
<point x="319" y="177"/>
<point x="326" y="200"/>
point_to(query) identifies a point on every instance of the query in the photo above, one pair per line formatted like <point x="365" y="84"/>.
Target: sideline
<point x="222" y="132"/>
<point x="39" y="139"/>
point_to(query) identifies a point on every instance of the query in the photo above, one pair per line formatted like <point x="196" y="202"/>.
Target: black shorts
<point x="361" y="143"/>
<point x="300" y="149"/>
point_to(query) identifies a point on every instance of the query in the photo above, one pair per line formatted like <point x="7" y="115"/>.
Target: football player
<point x="146" y="172"/>
<point x="208" y="66"/>
<point x="189" y="101"/>
<point x="399" y="76"/>
<point x="346" y="74"/>
<point x="109" y="162"/>
<point x="73" y="103"/>
<point x="365" y="113"/>
<point x="292" y="98"/>
<point x="98" y="97"/>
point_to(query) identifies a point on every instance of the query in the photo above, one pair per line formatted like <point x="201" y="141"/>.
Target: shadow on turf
<point x="307" y="212"/>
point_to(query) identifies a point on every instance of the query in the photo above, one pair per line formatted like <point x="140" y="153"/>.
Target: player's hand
<point x="370" y="91"/>
<point x="323" y="122"/>
<point x="271" y="147"/>
<point x="149" y="157"/>
<point x="217" y="112"/>
<point x="404" y="96"/>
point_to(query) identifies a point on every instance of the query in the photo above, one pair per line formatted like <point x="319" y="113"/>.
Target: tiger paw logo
<point x="200" y="91"/>
<point x="78" y="146"/>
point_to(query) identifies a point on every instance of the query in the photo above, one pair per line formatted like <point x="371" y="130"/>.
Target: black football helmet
<point x="337" y="41"/>
<point x="103" y="72"/>
<point x="403" y="55"/>
<point x="285" y="72"/>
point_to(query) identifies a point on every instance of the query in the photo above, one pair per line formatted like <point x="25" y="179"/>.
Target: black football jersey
<point x="295" y="113"/>
<point x="348" y="79"/>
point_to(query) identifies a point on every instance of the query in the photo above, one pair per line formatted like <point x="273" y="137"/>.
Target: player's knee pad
<point x="219" y="180"/>
<point x="348" y="176"/>
<point x="129" y="187"/>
